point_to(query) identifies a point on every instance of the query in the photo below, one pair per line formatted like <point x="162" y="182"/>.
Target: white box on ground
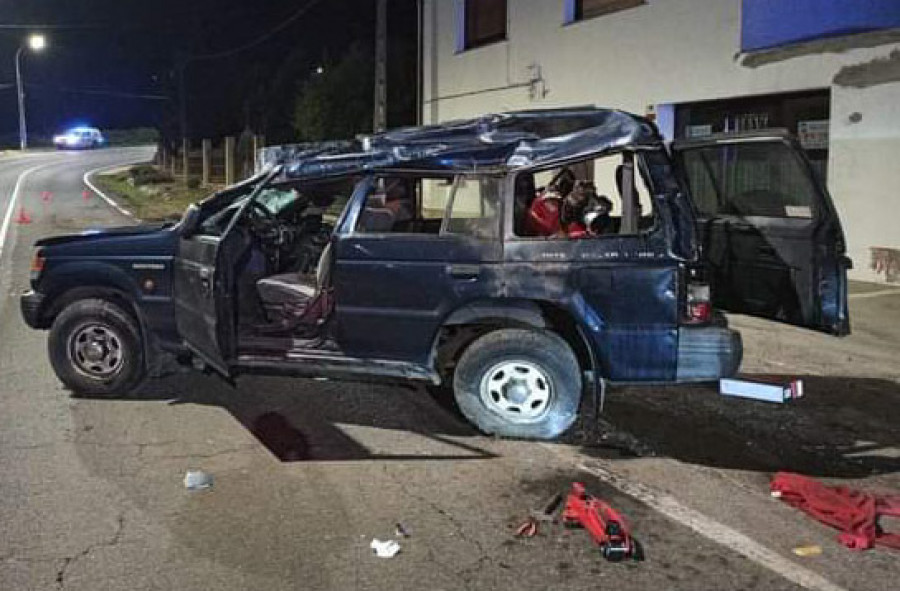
<point x="761" y="390"/>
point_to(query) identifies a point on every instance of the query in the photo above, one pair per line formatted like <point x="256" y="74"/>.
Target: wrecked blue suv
<point x="517" y="258"/>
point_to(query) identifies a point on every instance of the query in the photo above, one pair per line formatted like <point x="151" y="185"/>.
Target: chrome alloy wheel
<point x="95" y="350"/>
<point x="519" y="391"/>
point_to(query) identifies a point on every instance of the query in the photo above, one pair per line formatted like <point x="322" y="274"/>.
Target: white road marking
<point x="109" y="200"/>
<point x="874" y="294"/>
<point x="11" y="207"/>
<point x="720" y="533"/>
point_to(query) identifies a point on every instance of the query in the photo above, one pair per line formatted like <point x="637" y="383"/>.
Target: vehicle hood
<point x="159" y="240"/>
<point x="102" y="234"/>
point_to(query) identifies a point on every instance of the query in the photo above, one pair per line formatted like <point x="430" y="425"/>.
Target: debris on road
<point x="766" y="391"/>
<point x="385" y="549"/>
<point x="400" y="530"/>
<point x="807" y="551"/>
<point x="607" y="526"/>
<point x="529" y="527"/>
<point x="197" y="480"/>
<point x="856" y="513"/>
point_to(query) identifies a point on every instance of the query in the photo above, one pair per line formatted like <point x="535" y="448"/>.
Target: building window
<point x="484" y="22"/>
<point x="578" y="10"/>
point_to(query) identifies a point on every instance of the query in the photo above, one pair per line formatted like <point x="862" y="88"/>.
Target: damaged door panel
<point x="768" y="230"/>
<point x="416" y="248"/>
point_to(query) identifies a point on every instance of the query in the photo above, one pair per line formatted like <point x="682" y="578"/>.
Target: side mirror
<point x="189" y="222"/>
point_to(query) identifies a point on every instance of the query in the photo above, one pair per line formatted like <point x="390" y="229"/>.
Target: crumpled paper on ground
<point x="385" y="549"/>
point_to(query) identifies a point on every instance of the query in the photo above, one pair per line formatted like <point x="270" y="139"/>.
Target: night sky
<point x="108" y="60"/>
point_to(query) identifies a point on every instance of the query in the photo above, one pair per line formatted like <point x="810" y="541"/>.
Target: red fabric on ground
<point x="852" y="511"/>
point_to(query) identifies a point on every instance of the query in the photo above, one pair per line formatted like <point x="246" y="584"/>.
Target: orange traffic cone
<point x="24" y="217"/>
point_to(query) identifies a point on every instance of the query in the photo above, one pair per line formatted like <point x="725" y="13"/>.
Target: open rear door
<point x="770" y="235"/>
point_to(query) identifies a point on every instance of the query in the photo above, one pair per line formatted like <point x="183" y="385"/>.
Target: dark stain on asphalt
<point x="843" y="427"/>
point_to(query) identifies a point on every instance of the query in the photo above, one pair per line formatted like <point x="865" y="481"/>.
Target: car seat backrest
<point x="323" y="270"/>
<point x="376" y="219"/>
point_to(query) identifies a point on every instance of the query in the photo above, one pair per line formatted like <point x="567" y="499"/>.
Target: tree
<point x="337" y="104"/>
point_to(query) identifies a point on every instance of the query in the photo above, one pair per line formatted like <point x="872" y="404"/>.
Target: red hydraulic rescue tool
<point x="606" y="525"/>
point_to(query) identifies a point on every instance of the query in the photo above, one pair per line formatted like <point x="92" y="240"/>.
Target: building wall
<point x="676" y="51"/>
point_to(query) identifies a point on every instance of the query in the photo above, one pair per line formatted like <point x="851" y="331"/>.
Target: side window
<point x="481" y="22"/>
<point x="474" y="210"/>
<point x="405" y="205"/>
<point x="216" y="224"/>
<point x="577" y="10"/>
<point x="764" y="179"/>
<point x="592" y="198"/>
<point x="432" y="205"/>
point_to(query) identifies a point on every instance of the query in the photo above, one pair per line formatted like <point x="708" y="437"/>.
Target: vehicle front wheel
<point x="519" y="383"/>
<point x="96" y="349"/>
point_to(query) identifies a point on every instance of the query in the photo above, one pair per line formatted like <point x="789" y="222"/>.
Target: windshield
<point x="766" y="179"/>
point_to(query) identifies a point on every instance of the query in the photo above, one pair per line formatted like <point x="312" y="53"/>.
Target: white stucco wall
<point x="670" y="51"/>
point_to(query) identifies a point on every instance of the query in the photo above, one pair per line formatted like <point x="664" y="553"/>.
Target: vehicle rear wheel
<point x="519" y="383"/>
<point x="95" y="349"/>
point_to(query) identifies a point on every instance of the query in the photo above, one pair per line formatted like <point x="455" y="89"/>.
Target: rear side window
<point x="765" y="179"/>
<point x="594" y="198"/>
<point x="457" y="205"/>
<point x="474" y="208"/>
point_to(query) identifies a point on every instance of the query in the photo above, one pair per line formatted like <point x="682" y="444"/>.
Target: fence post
<point x="207" y="161"/>
<point x="259" y="142"/>
<point x="229" y="160"/>
<point x="161" y="152"/>
<point x="186" y="158"/>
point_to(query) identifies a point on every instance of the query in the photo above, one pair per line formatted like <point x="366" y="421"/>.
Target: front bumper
<point x="708" y="353"/>
<point x="31" y="303"/>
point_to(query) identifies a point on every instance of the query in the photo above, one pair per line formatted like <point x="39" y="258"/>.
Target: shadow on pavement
<point x="309" y="420"/>
<point x="843" y="427"/>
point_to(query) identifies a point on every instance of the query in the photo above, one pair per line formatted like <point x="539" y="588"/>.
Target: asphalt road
<point x="307" y="473"/>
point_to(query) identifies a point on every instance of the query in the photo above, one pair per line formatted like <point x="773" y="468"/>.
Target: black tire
<point x="546" y="353"/>
<point x="92" y="319"/>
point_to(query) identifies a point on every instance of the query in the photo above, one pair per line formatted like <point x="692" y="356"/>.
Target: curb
<point x="109" y="200"/>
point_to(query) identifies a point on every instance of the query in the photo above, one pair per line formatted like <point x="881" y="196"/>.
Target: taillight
<point x="699" y="307"/>
<point x="37" y="264"/>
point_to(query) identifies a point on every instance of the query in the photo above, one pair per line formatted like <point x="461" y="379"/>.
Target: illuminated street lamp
<point x="36" y="43"/>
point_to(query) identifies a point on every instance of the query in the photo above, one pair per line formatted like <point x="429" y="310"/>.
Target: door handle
<point x="205" y="282"/>
<point x="464" y="271"/>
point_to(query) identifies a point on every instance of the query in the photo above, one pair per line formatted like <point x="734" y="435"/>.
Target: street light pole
<point x="35" y="43"/>
<point x="23" y="131"/>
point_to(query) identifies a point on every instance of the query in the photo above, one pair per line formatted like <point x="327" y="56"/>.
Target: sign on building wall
<point x="766" y="24"/>
<point x="813" y="134"/>
<point x="698" y="130"/>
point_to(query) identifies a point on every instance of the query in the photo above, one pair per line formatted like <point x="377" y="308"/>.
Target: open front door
<point x="202" y="302"/>
<point x="770" y="235"/>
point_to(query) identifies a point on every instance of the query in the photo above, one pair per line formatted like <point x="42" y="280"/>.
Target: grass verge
<point x="158" y="201"/>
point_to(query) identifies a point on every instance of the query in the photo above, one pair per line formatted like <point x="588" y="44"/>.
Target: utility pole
<point x="380" y="120"/>
<point x="181" y="62"/>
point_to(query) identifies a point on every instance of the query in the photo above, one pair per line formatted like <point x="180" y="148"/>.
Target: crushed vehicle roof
<point x="504" y="141"/>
